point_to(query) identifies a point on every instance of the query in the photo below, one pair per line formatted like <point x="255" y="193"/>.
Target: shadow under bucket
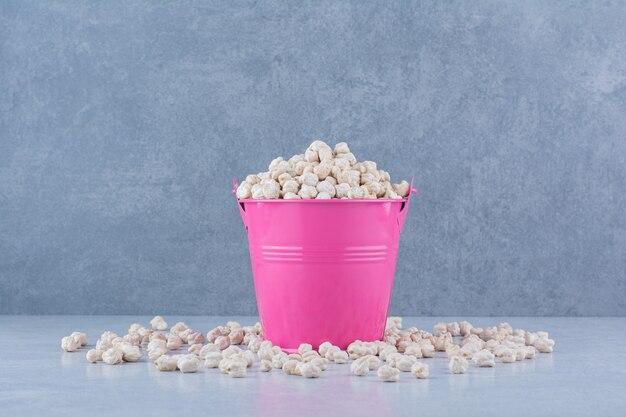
<point x="323" y="269"/>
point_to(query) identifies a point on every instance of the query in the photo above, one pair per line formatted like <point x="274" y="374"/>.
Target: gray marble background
<point x="122" y="124"/>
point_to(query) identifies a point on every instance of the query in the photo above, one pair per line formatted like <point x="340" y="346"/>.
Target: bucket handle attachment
<point x="405" y="205"/>
<point x="242" y="208"/>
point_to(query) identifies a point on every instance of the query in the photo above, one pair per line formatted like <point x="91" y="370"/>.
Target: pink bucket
<point x="323" y="269"/>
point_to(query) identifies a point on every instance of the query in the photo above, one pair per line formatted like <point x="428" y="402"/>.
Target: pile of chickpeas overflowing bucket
<point x="323" y="231"/>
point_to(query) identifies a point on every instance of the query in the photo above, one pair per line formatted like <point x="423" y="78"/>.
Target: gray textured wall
<point x="122" y="124"/>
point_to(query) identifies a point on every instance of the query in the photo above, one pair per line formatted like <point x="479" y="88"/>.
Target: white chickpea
<point x="484" y="358"/>
<point x="94" y="355"/>
<point x="323" y="348"/>
<point x="428" y="350"/>
<point x="325" y="154"/>
<point x="342" y="147"/>
<point x="244" y="190"/>
<point x="544" y="345"/>
<point x="322" y="170"/>
<point x="326" y="187"/>
<point x="458" y="365"/>
<point x="310" y="179"/>
<point x="70" y="344"/>
<point x="236" y="336"/>
<point x="275" y="163"/>
<point x="488" y="333"/>
<point x="156" y="343"/>
<point x="291" y="186"/>
<point x="213" y="359"/>
<point x="308" y="370"/>
<point x="80" y="337"/>
<point x="281" y="168"/>
<point x="453" y="350"/>
<point x="178" y="328"/>
<point x="279" y="360"/>
<point x="174" y="342"/>
<point x="402" y="189"/>
<point x="356" y="192"/>
<point x="195" y="337"/>
<point x="442" y="341"/>
<point x="222" y="342"/>
<point x="340" y="357"/>
<point x="414" y="350"/>
<point x="468" y="350"/>
<point x="304" y="347"/>
<point x="348" y="157"/>
<point x="440" y="328"/>
<point x="291" y="196"/>
<point x="265" y="366"/>
<point x="507" y="355"/>
<point x="530" y="352"/>
<point x="375" y="188"/>
<point x="300" y="166"/>
<point x="283" y="178"/>
<point x="265" y="353"/>
<point x="321" y="363"/>
<point x="342" y="190"/>
<point x="367" y="178"/>
<point x="311" y="156"/>
<point x="465" y="328"/>
<point x="290" y="367"/>
<point x="112" y="356"/>
<point x="323" y="196"/>
<point x="166" y="363"/>
<point x="257" y="192"/>
<point x="255" y="345"/>
<point x="188" y="363"/>
<point x="231" y="352"/>
<point x="130" y="353"/>
<point x="296" y="158"/>
<point x="388" y="374"/>
<point x="420" y="370"/>
<point x="404" y="363"/>
<point x="271" y="189"/>
<point x="359" y="368"/>
<point x="453" y="328"/>
<point x="237" y="368"/>
<point x="252" y="179"/>
<point x="392" y="195"/>
<point x="307" y="192"/>
<point x="156" y="353"/>
<point x="387" y="350"/>
<point x="506" y="328"/>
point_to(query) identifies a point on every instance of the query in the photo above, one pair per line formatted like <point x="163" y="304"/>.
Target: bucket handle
<point x="405" y="205"/>
<point x="242" y="208"/>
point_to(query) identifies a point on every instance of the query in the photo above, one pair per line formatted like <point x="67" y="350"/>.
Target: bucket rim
<point x="325" y="201"/>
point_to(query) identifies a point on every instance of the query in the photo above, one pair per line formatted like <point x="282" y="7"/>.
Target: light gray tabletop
<point x="586" y="375"/>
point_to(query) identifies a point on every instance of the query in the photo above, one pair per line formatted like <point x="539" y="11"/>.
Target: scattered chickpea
<point x="388" y="374"/>
<point x="112" y="356"/>
<point x="458" y="365"/>
<point x="400" y="348"/>
<point x="420" y="370"/>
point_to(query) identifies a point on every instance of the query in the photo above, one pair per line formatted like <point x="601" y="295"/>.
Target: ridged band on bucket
<point x="330" y="254"/>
